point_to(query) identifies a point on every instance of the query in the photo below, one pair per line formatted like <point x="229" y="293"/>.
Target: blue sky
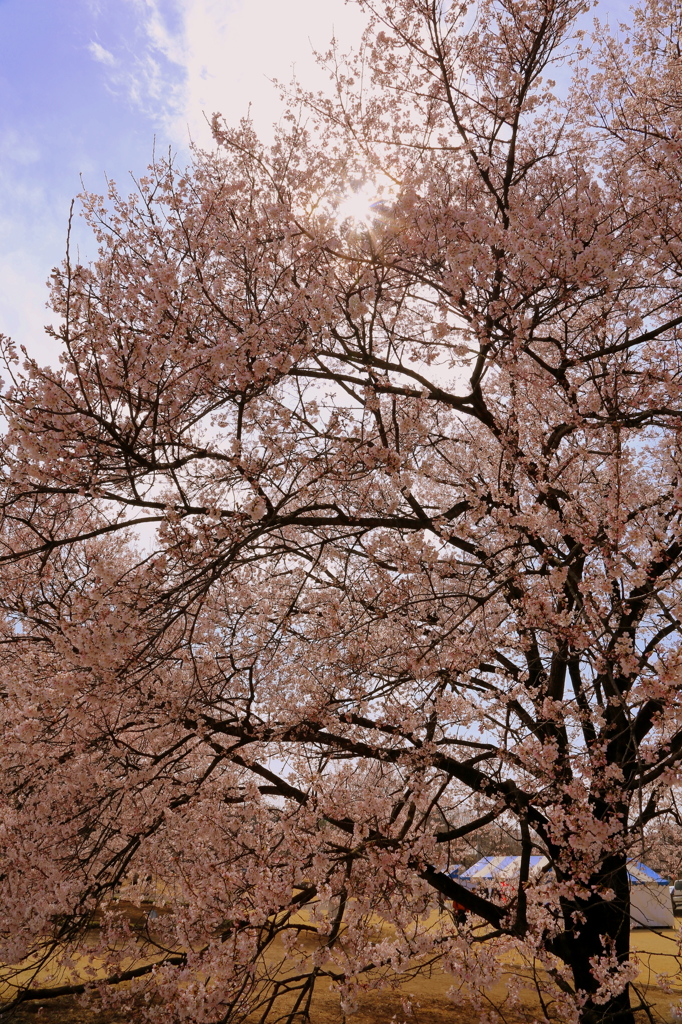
<point x="87" y="86"/>
<point x="64" y="113"/>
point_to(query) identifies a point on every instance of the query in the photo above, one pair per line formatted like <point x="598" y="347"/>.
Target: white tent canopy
<point x="650" y="905"/>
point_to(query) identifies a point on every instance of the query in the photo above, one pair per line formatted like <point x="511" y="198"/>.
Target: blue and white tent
<point x="650" y="904"/>
<point x="640" y="874"/>
<point x="498" y="869"/>
<point x="650" y="901"/>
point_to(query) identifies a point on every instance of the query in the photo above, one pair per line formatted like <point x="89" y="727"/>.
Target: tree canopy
<point x="349" y="525"/>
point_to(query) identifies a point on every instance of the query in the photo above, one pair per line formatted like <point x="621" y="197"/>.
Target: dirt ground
<point x="429" y="1008"/>
<point x="657" y="952"/>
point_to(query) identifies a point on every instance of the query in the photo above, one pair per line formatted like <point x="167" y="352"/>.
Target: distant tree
<point x="350" y="525"/>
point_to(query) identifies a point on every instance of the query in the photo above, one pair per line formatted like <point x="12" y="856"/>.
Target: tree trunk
<point x="601" y="928"/>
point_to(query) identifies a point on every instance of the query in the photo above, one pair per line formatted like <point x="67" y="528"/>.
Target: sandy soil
<point x="657" y="952"/>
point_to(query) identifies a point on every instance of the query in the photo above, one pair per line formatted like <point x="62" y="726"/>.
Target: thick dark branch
<point x="32" y="994"/>
<point x="471" y="901"/>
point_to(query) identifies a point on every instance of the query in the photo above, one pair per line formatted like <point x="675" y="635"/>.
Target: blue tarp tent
<point x="650" y="905"/>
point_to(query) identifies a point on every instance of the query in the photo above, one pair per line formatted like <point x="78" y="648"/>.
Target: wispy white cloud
<point x="184" y="60"/>
<point x="145" y="64"/>
<point x="231" y="52"/>
<point x="102" y="55"/>
<point x="163" y="26"/>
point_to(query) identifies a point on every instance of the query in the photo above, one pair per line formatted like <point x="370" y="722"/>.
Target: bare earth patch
<point x="657" y="952"/>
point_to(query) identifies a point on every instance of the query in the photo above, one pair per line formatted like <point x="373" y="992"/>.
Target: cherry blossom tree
<point x="349" y="527"/>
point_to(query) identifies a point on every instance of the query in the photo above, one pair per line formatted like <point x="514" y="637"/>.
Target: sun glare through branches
<point x="365" y="202"/>
<point x="361" y="206"/>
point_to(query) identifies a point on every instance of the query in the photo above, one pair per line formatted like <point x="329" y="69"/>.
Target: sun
<point x="359" y="206"/>
<point x="366" y="203"/>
